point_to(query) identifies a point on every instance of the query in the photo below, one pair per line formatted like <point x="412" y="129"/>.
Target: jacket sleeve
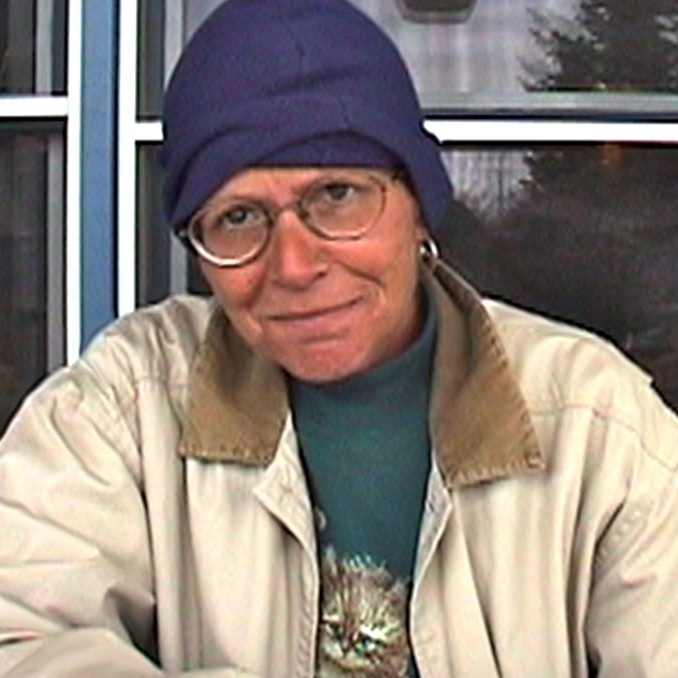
<point x="76" y="580"/>
<point x="632" y="622"/>
<point x="90" y="653"/>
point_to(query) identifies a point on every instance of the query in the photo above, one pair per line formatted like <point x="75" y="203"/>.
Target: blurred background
<point x="558" y="120"/>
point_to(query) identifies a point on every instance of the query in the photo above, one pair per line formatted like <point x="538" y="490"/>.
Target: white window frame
<point x="471" y="124"/>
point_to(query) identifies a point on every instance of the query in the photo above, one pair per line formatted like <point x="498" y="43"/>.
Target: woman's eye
<point x="338" y="192"/>
<point x="236" y="217"/>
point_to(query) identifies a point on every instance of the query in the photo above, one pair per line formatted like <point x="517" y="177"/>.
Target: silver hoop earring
<point x="428" y="251"/>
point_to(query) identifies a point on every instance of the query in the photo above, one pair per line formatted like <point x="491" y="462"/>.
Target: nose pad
<point x="297" y="255"/>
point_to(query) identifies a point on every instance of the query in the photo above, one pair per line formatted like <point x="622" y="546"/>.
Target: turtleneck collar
<point x="390" y="383"/>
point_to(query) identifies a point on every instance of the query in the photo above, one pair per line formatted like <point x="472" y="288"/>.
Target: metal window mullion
<point x="73" y="292"/>
<point x="127" y="171"/>
<point x="174" y="42"/>
<point x="98" y="200"/>
<point x="55" y="253"/>
<point x="174" y="36"/>
<point x="43" y="45"/>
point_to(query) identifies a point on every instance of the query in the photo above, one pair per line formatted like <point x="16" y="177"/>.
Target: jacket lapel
<point x="237" y="402"/>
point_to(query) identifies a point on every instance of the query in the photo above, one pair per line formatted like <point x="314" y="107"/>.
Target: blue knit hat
<point x="292" y="82"/>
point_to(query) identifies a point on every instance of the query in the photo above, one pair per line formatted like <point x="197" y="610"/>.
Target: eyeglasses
<point x="341" y="206"/>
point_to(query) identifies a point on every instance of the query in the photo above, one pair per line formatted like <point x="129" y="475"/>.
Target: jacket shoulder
<point x="564" y="357"/>
<point x="157" y="341"/>
<point x="151" y="349"/>
<point x="560" y="367"/>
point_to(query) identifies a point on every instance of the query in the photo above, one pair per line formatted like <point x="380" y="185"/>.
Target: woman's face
<point x="322" y="309"/>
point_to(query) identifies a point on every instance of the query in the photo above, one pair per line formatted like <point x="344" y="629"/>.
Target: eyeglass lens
<point x="336" y="208"/>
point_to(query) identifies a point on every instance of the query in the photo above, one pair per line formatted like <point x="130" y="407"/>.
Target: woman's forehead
<point x="287" y="180"/>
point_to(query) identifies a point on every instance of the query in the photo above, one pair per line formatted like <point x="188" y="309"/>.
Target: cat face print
<point x="363" y="630"/>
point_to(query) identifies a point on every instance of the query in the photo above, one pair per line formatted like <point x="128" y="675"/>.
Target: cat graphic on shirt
<point x="363" y="630"/>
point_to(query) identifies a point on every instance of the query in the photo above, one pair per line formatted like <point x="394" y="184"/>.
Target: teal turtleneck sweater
<point x="366" y="450"/>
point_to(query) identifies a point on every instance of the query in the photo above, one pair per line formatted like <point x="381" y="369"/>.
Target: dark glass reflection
<point x="503" y="54"/>
<point x="154" y="236"/>
<point x="23" y="264"/>
<point x="587" y="234"/>
<point x="605" y="45"/>
<point x="33" y="46"/>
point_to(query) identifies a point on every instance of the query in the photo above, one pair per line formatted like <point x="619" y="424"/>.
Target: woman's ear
<point x="421" y="229"/>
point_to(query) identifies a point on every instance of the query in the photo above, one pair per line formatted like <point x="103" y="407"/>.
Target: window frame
<point x="63" y="232"/>
<point x="577" y="117"/>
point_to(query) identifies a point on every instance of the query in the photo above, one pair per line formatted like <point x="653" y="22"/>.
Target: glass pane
<point x="33" y="46"/>
<point x="498" y="53"/>
<point x="585" y="233"/>
<point x="152" y="29"/>
<point x="508" y="48"/>
<point x="163" y="265"/>
<point x="31" y="251"/>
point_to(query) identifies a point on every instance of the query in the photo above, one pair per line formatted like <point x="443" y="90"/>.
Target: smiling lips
<point x="313" y="313"/>
<point x="322" y="320"/>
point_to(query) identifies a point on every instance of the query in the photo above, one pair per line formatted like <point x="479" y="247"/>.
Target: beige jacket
<point x="153" y="509"/>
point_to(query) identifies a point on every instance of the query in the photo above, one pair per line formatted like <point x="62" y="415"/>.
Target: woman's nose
<point x="297" y="255"/>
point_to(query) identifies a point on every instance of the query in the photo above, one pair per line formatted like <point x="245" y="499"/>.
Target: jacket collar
<point x="232" y="390"/>
<point x="480" y="425"/>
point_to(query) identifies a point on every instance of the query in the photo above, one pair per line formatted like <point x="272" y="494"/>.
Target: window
<point x="32" y="194"/>
<point x="550" y="113"/>
<point x="31" y="249"/>
<point x="586" y="233"/>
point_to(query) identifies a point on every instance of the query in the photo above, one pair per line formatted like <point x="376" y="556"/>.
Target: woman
<point x="346" y="464"/>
